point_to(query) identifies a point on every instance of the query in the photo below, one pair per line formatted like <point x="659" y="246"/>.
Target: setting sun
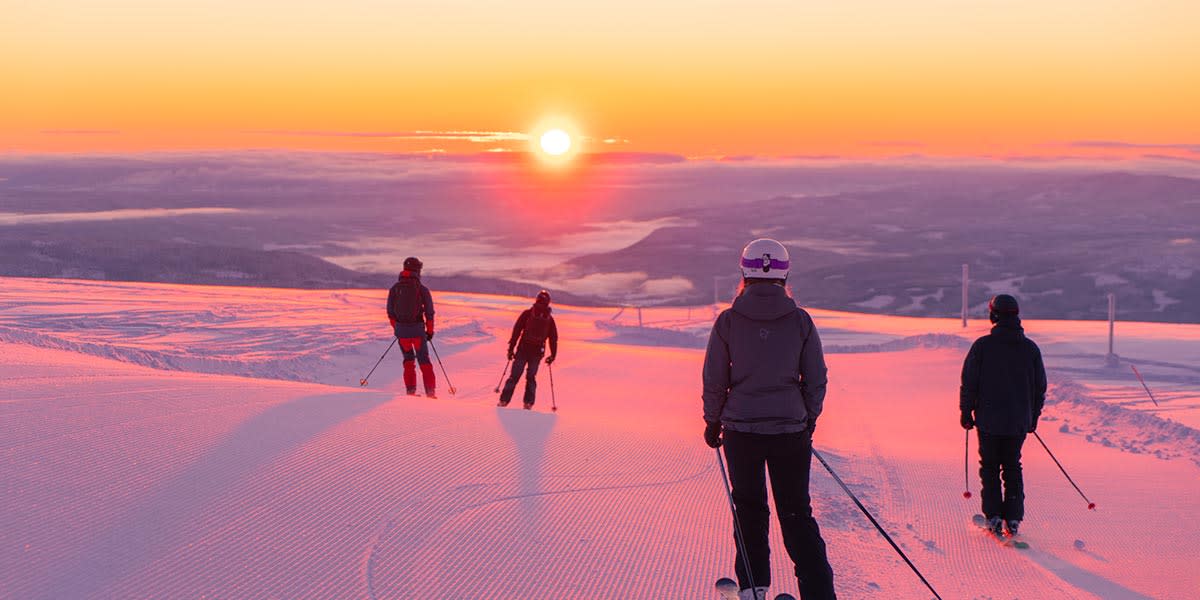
<point x="555" y="142"/>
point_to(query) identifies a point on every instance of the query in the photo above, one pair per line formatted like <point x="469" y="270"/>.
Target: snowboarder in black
<point x="764" y="387"/>
<point x="1002" y="394"/>
<point x="410" y="311"/>
<point x="533" y="329"/>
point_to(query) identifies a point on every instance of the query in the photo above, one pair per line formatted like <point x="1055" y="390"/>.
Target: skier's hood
<point x="1008" y="329"/>
<point x="763" y="302"/>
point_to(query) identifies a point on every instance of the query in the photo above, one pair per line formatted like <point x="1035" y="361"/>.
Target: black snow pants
<point x="788" y="458"/>
<point x="527" y="360"/>
<point x="1000" y="456"/>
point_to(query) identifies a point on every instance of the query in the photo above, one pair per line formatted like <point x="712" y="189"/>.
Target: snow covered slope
<point x="189" y="441"/>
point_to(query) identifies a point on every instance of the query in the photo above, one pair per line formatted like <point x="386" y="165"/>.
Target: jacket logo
<point x="764" y="333"/>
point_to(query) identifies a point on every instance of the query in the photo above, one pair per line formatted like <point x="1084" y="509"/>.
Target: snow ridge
<point x="932" y="341"/>
<point x="301" y="365"/>
<point x="1113" y="426"/>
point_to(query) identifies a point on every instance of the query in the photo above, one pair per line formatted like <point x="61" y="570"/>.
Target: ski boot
<point x="758" y="593"/>
<point x="432" y="394"/>
<point x="1012" y="527"/>
<point x="528" y="406"/>
<point x="996" y="526"/>
<point x="412" y="391"/>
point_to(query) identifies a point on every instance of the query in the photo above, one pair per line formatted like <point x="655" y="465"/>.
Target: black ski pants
<point x="527" y="361"/>
<point x="788" y="458"/>
<point x="1000" y="457"/>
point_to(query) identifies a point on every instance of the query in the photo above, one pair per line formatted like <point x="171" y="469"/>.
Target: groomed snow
<point x="173" y="441"/>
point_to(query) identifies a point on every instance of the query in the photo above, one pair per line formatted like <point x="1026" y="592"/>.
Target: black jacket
<point x="531" y="346"/>
<point x="1004" y="381"/>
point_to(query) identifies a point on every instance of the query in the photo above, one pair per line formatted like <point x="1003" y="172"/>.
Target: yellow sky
<point x="700" y="78"/>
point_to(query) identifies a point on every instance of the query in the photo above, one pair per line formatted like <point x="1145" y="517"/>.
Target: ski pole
<point x="502" y="374"/>
<point x="966" y="464"/>
<point x="439" y="359"/>
<point x="1144" y="386"/>
<point x="363" y="381"/>
<point x="1091" y="505"/>
<point x="553" y="401"/>
<point x="737" y="527"/>
<point x="874" y="522"/>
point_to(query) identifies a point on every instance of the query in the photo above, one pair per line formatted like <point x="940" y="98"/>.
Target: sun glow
<point x="555" y="142"/>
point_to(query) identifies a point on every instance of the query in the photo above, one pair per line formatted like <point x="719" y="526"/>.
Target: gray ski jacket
<point x="764" y="371"/>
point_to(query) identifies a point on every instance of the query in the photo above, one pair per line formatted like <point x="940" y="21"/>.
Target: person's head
<point x="765" y="261"/>
<point x="543" y="298"/>
<point x="1003" y="307"/>
<point x="413" y="265"/>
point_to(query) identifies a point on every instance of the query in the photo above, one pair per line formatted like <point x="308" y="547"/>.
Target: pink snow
<point x="193" y="441"/>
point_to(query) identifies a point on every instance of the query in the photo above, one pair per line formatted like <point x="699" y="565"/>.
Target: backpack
<point x="408" y="303"/>
<point x="537" y="327"/>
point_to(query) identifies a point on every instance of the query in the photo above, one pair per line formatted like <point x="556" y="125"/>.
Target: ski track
<point x="129" y="481"/>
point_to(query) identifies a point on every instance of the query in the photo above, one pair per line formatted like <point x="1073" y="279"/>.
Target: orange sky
<point x="699" y="78"/>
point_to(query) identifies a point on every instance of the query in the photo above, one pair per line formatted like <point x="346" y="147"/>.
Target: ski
<point x="728" y="589"/>
<point x="980" y="521"/>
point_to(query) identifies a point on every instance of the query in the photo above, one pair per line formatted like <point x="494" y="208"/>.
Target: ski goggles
<point x="764" y="264"/>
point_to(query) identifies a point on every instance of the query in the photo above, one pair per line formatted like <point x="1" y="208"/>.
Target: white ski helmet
<point x="765" y="258"/>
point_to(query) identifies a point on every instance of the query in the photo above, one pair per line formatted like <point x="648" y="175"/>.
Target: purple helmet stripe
<point x="757" y="263"/>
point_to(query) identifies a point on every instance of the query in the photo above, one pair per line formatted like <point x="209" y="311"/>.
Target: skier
<point x="526" y="347"/>
<point x="764" y="387"/>
<point x="410" y="311"/>
<point x="1004" y="386"/>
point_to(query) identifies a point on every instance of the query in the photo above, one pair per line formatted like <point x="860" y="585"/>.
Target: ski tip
<point x="726" y="584"/>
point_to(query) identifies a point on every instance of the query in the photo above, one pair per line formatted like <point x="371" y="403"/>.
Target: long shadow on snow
<point x="159" y="523"/>
<point x="529" y="432"/>
<point x="1082" y="578"/>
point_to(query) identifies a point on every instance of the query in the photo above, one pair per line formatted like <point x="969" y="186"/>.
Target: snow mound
<point x="297" y="363"/>
<point x="1115" y="426"/>
<point x="638" y="335"/>
<point x="929" y="341"/>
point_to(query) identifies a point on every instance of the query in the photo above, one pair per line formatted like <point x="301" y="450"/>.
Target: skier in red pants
<point x="410" y="311"/>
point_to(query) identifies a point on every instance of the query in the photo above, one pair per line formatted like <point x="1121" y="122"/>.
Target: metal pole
<point x="444" y="374"/>
<point x="553" y="397"/>
<point x="737" y="527"/>
<point x="363" y="381"/>
<point x="1112" y="318"/>
<point x="716" y="297"/>
<point x="1091" y="505"/>
<point x="966" y="271"/>
<point x="966" y="464"/>
<point x="502" y="374"/>
<point x="878" y="527"/>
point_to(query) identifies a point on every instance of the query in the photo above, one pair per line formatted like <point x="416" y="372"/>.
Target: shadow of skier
<point x="159" y="522"/>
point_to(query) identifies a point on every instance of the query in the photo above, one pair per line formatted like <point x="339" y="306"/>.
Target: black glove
<point x="429" y="336"/>
<point x="712" y="434"/>
<point x="1033" y="424"/>
<point x="550" y="359"/>
<point x="812" y="426"/>
<point x="966" y="421"/>
<point x="510" y="354"/>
